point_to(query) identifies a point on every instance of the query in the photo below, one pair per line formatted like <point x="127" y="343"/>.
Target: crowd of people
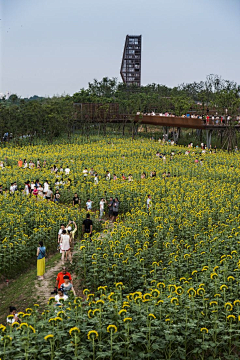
<point x="62" y="290"/>
<point x="65" y="239"/>
<point x="66" y="233"/>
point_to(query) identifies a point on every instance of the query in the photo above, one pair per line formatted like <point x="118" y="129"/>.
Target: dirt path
<point x="46" y="286"/>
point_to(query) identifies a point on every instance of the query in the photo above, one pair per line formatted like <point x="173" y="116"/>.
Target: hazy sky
<point x="55" y="46"/>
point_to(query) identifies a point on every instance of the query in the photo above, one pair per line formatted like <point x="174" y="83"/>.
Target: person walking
<point x="45" y="187"/>
<point x="87" y="225"/>
<point x="65" y="246"/>
<point x="110" y="207"/>
<point x="101" y="205"/>
<point x="89" y="205"/>
<point x="49" y="194"/>
<point x="56" y="197"/>
<point x="60" y="280"/>
<point x="20" y="163"/>
<point x="71" y="233"/>
<point x="41" y="253"/>
<point x="115" y="208"/>
<point x="67" y="286"/>
<point x="76" y="200"/>
<point x="96" y="179"/>
<point x="149" y="202"/>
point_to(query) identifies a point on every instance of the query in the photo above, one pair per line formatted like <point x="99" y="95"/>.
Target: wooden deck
<point x="175" y="121"/>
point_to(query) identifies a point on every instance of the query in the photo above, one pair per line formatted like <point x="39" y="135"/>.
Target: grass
<point x="21" y="291"/>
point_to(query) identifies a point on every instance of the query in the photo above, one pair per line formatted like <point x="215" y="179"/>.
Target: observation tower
<point x="131" y="61"/>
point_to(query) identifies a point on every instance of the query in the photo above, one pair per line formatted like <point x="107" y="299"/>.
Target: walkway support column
<point x="166" y="130"/>
<point x="209" y="138"/>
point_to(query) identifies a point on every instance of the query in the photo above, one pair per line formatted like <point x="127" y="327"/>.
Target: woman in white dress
<point x="66" y="246"/>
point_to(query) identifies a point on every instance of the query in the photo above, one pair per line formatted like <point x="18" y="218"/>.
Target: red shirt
<point x="60" y="278"/>
<point x="35" y="192"/>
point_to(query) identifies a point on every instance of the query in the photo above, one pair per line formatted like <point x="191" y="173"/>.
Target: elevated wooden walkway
<point x="182" y="122"/>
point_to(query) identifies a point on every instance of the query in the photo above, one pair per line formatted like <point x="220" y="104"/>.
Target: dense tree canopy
<point x="52" y="116"/>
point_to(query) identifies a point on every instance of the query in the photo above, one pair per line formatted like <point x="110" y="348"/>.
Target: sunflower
<point x="228" y="306"/>
<point x="151" y="316"/>
<point x="92" y="335"/>
<point x="111" y="328"/>
<point x="74" y="330"/>
<point x="49" y="337"/>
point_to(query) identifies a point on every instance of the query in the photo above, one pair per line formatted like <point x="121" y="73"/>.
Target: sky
<point x="55" y="47"/>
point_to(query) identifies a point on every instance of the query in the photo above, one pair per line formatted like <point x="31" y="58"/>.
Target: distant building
<point x="131" y="60"/>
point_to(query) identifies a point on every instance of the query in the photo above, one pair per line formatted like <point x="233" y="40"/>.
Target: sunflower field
<point x="158" y="284"/>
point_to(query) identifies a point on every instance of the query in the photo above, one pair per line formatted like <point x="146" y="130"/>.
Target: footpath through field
<point x="44" y="287"/>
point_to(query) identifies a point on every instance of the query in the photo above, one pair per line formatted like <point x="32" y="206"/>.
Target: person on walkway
<point x="60" y="280"/>
<point x="41" y="253"/>
<point x="65" y="246"/>
<point x="115" y="209"/>
<point x="67" y="286"/>
<point x="14" y="318"/>
<point x="87" y="225"/>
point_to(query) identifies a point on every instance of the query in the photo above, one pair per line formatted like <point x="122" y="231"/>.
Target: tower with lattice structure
<point x="131" y="60"/>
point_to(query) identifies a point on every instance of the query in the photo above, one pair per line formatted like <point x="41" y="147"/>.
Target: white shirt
<point x="101" y="205"/>
<point x="67" y="171"/>
<point x="65" y="240"/>
<point x="89" y="205"/>
<point x="45" y="187"/>
<point x="57" y="298"/>
<point x="12" y="189"/>
<point x="12" y="320"/>
<point x="49" y="193"/>
<point x="96" y="180"/>
<point x="85" y="172"/>
<point x="148" y="203"/>
<point x="60" y="232"/>
<point x="26" y="189"/>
